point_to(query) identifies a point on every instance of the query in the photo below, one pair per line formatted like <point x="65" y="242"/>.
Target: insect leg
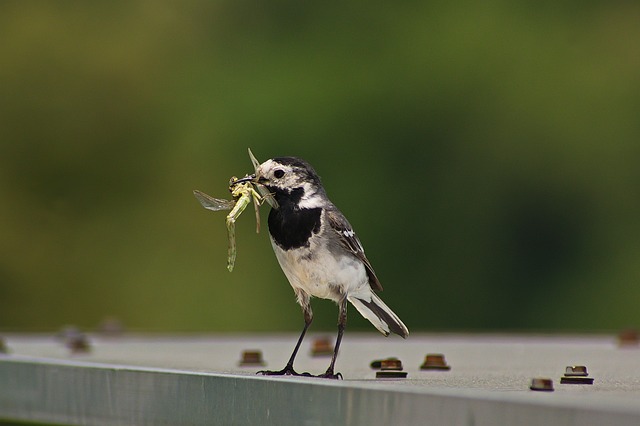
<point x="256" y="206"/>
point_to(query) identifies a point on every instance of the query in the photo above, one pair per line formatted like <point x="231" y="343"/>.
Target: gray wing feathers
<point x="349" y="240"/>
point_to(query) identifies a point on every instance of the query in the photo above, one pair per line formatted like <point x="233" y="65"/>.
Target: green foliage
<point x="485" y="153"/>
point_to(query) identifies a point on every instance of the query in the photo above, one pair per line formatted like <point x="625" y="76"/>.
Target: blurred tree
<point x="485" y="154"/>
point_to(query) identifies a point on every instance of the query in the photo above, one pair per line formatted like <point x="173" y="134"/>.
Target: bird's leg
<point x="342" y="322"/>
<point x="288" y="369"/>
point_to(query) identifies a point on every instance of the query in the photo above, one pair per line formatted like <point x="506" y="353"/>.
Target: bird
<point x="319" y="253"/>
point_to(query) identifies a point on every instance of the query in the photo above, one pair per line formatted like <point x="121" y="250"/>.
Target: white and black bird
<point x="319" y="252"/>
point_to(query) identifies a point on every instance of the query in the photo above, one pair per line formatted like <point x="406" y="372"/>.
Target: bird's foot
<point x="329" y="374"/>
<point x="286" y="371"/>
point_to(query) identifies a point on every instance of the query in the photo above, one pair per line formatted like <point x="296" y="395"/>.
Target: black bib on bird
<point x="291" y="226"/>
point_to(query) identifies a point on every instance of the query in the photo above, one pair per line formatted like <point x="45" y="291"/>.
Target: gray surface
<point x="196" y="380"/>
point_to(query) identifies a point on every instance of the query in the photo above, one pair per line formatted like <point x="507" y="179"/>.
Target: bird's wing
<point x="349" y="240"/>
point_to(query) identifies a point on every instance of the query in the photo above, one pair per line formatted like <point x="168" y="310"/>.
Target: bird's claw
<point x="289" y="371"/>
<point x="286" y="371"/>
<point x="331" y="375"/>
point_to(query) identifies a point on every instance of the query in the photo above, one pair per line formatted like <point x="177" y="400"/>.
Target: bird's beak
<point x="253" y="178"/>
<point x="247" y="178"/>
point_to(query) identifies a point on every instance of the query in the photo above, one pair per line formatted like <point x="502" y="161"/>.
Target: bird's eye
<point x="278" y="173"/>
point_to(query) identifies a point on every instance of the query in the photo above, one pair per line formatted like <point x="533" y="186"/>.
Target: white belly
<point x="326" y="276"/>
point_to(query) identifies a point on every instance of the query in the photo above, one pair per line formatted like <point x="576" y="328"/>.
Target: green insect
<point x="243" y="192"/>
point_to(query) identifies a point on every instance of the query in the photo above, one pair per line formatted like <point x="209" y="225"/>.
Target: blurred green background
<point x="486" y="154"/>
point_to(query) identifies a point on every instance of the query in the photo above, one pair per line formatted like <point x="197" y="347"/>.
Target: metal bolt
<point x="391" y="364"/>
<point x="78" y="343"/>
<point x="435" y="362"/>
<point x="391" y="368"/>
<point x="628" y="338"/>
<point x="251" y="357"/>
<point x="576" y="375"/>
<point x="3" y="347"/>
<point x="377" y="363"/>
<point x="322" y="346"/>
<point x="541" y="384"/>
<point x="576" y="370"/>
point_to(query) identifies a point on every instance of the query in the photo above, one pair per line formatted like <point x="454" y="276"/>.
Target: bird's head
<point x="292" y="181"/>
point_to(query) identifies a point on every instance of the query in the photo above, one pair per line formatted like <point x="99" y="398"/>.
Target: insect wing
<point x="262" y="190"/>
<point x="256" y="207"/>
<point x="254" y="161"/>
<point x="210" y="203"/>
<point x="267" y="195"/>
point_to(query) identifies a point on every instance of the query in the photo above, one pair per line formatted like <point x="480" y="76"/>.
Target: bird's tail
<point x="380" y="315"/>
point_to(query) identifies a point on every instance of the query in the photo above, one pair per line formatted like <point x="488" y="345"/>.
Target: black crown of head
<point x="300" y="165"/>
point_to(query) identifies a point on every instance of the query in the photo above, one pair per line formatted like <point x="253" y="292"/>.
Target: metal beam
<point x="78" y="392"/>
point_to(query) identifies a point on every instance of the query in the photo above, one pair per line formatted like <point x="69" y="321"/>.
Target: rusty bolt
<point x="391" y="368"/>
<point x="322" y="346"/>
<point x="576" y="375"/>
<point x="391" y="364"/>
<point x="541" y="384"/>
<point x="435" y="362"/>
<point x="78" y="343"/>
<point x="251" y="357"/>
<point x="377" y="363"/>
<point x="628" y="338"/>
<point x="3" y="347"/>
